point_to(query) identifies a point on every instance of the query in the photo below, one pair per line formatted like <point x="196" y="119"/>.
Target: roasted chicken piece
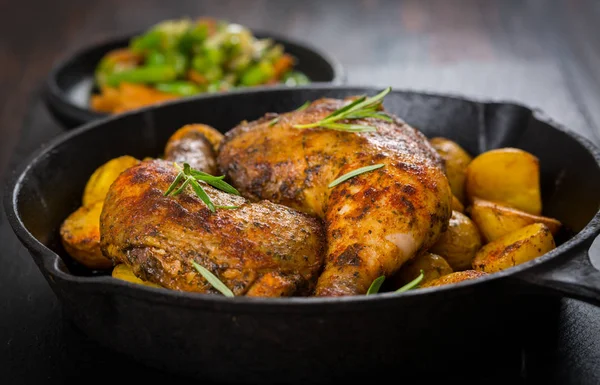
<point x="376" y="221"/>
<point x="257" y="249"/>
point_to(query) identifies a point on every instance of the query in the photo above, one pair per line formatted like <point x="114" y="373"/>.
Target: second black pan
<point x="70" y="83"/>
<point x="473" y="329"/>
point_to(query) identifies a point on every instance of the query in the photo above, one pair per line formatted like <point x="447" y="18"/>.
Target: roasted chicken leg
<point x="376" y="221"/>
<point x="257" y="249"/>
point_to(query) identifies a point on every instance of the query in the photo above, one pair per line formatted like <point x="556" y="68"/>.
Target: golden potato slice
<point x="514" y="248"/>
<point x="98" y="184"/>
<point x="456" y="277"/>
<point x="124" y="272"/>
<point x="495" y="221"/>
<point x="433" y="267"/>
<point x="80" y="236"/>
<point x="457" y="160"/>
<point x="459" y="243"/>
<point x="210" y="133"/>
<point x="457" y="205"/>
<point x="507" y="176"/>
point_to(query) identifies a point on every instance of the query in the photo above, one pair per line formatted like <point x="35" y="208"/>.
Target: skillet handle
<point x="573" y="276"/>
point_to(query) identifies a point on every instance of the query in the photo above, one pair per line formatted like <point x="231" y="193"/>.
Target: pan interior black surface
<point x="71" y="83"/>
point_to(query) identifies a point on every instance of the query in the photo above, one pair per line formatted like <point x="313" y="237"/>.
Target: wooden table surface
<point x="545" y="54"/>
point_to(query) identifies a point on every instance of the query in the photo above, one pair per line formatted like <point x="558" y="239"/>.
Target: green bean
<point x="150" y="40"/>
<point x="177" y="60"/>
<point x="155" y="58"/>
<point x="258" y="74"/>
<point x="181" y="88"/>
<point x="142" y="75"/>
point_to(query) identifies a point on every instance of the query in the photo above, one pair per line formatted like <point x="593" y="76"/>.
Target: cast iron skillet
<point x="70" y="83"/>
<point x="474" y="328"/>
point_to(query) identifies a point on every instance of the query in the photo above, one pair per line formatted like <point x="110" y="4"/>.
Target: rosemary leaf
<point x="274" y="121"/>
<point x="349" y="127"/>
<point x="178" y="179"/>
<point x="354" y="173"/>
<point x="182" y="187"/>
<point x="202" y="194"/>
<point x="228" y="207"/>
<point x="412" y="284"/>
<point x="213" y="280"/>
<point x="217" y="182"/>
<point x="304" y="106"/>
<point x="375" y="285"/>
<point x="362" y="107"/>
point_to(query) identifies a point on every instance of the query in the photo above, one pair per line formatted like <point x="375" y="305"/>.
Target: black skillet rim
<point x="56" y="98"/>
<point x="107" y="284"/>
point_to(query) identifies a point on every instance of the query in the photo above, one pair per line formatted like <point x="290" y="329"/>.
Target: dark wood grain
<point x="545" y="54"/>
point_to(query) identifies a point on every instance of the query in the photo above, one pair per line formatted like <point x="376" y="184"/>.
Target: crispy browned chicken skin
<point x="258" y="249"/>
<point x="376" y="221"/>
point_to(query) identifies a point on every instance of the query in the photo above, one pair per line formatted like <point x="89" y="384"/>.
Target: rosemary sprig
<point x="188" y="176"/>
<point x="354" y="173"/>
<point x="376" y="284"/>
<point x="412" y="284"/>
<point x="213" y="280"/>
<point x="360" y="108"/>
<point x="302" y="107"/>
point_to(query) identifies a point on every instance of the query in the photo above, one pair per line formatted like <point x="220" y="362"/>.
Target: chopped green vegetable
<point x="181" y="88"/>
<point x="295" y="78"/>
<point x="150" y="75"/>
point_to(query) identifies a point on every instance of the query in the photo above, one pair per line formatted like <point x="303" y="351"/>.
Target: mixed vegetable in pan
<point x="178" y="58"/>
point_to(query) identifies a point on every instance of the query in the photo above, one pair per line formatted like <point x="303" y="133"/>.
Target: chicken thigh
<point x="255" y="249"/>
<point x="375" y="221"/>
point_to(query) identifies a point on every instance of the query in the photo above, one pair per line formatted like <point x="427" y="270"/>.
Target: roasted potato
<point x="508" y="176"/>
<point x="456" y="277"/>
<point x="459" y="243"/>
<point x="124" y="272"/>
<point x="495" y="221"/>
<point x="433" y="267"/>
<point x="80" y="235"/>
<point x="210" y="133"/>
<point x="457" y="205"/>
<point x="98" y="184"/>
<point x="457" y="160"/>
<point x="514" y="248"/>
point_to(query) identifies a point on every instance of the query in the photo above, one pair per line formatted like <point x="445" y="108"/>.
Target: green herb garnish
<point x="376" y="284"/>
<point x="354" y="173"/>
<point x="412" y="284"/>
<point x="188" y="176"/>
<point x="361" y="108"/>
<point x="213" y="280"/>
<point x="302" y="107"/>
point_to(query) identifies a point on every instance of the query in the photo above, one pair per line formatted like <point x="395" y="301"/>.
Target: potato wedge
<point x="210" y="133"/>
<point x="457" y="160"/>
<point x="433" y="267"/>
<point x="124" y="272"/>
<point x="514" y="248"/>
<point x="456" y="277"/>
<point x="98" y="184"/>
<point x="508" y="176"/>
<point x="495" y="221"/>
<point x="457" y="205"/>
<point x="80" y="236"/>
<point x="459" y="243"/>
